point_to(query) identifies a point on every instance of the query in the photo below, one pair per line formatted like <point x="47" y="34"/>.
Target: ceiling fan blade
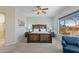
<point x="40" y="10"/>
<point x="38" y="7"/>
<point x="43" y="12"/>
<point x="45" y="9"/>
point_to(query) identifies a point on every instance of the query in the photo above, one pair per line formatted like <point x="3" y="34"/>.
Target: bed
<point x="39" y="34"/>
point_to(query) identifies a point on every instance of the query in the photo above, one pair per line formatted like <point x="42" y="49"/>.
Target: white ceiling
<point x="27" y="10"/>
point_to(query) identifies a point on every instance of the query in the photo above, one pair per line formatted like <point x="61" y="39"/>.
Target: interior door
<point x="2" y="29"/>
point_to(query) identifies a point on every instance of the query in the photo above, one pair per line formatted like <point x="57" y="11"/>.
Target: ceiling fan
<point x="40" y="10"/>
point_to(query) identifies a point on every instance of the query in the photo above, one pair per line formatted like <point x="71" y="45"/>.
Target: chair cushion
<point x="71" y="40"/>
<point x="72" y="48"/>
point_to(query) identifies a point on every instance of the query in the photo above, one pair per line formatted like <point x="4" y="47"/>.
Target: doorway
<point x="2" y="29"/>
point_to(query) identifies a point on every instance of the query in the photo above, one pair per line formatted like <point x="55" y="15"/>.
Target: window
<point x="69" y="24"/>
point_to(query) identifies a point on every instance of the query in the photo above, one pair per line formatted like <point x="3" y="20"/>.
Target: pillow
<point x="35" y="30"/>
<point x="43" y="30"/>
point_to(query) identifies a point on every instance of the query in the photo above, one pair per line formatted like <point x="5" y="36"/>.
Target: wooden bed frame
<point x="39" y="26"/>
<point x="39" y="37"/>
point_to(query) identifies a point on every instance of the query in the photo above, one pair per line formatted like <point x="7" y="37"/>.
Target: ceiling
<point x="27" y="10"/>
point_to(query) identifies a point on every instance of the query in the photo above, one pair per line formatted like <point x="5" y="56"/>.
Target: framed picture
<point x="21" y="22"/>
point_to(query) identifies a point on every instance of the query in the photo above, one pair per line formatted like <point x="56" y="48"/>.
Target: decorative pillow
<point x="35" y="30"/>
<point x="43" y="30"/>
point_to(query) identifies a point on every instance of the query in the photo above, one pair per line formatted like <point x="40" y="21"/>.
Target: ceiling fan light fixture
<point x="40" y="10"/>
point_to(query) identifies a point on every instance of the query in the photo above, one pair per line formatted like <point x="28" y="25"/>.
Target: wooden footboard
<point x="38" y="37"/>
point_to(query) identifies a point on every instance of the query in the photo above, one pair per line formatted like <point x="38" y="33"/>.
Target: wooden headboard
<point x="39" y="26"/>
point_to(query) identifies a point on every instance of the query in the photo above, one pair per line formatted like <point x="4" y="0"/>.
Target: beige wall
<point x="39" y="20"/>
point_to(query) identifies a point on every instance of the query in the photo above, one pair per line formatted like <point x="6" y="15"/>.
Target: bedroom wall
<point x="20" y="30"/>
<point x="39" y="20"/>
<point x="10" y="24"/>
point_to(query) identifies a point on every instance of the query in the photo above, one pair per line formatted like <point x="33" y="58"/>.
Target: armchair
<point x="70" y="44"/>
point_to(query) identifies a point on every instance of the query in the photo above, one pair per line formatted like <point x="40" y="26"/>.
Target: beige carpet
<point x="54" y="47"/>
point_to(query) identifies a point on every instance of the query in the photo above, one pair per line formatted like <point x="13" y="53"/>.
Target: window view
<point x="69" y="25"/>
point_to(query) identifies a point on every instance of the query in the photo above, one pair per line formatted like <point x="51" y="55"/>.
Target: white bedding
<point x="40" y="32"/>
